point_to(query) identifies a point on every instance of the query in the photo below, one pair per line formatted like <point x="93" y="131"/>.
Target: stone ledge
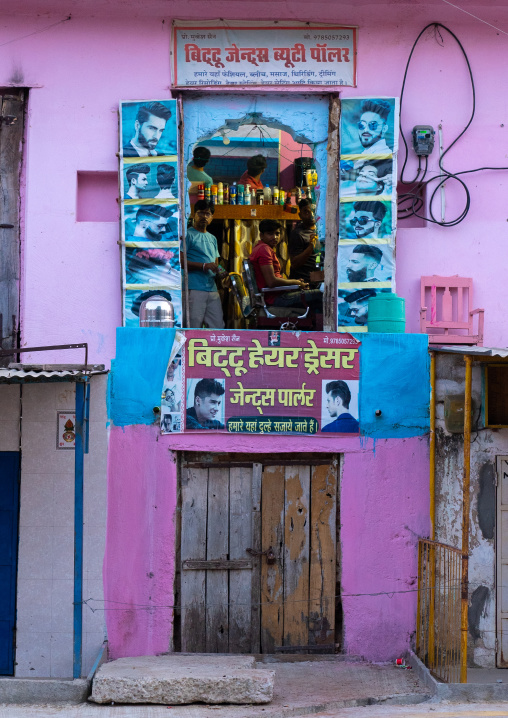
<point x="43" y="690"/>
<point x="176" y="679"/>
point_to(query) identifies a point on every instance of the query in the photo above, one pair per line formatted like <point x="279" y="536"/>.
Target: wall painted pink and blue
<point x="383" y="495"/>
<point x="71" y="267"/>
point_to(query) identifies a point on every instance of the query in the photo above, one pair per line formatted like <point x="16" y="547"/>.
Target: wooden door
<point x="258" y="554"/>
<point x="12" y="111"/>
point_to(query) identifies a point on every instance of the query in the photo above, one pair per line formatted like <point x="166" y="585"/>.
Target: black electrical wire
<point x="415" y="196"/>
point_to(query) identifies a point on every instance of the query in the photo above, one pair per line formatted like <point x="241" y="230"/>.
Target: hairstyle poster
<point x="150" y="206"/>
<point x="369" y="134"/>
<point x="262" y="382"/>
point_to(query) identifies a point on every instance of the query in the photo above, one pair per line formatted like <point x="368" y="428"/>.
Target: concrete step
<point x="175" y="679"/>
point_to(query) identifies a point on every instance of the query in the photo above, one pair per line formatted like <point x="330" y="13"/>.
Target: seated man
<point x="202" y="266"/>
<point x="337" y="402"/>
<point x="302" y="243"/>
<point x="268" y="275"/>
<point x="207" y="400"/>
<point x="252" y="176"/>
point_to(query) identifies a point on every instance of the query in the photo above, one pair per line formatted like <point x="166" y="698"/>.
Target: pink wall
<point x="81" y="69"/>
<point x="384" y="507"/>
<point x="139" y="563"/>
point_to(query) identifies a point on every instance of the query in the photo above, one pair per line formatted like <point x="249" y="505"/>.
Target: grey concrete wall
<point x="44" y="633"/>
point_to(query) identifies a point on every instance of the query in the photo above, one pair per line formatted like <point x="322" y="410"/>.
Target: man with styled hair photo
<point x="208" y="395"/>
<point x="137" y="180"/>
<point x="366" y="218"/>
<point x="363" y="262"/>
<point x="372" y="127"/>
<point x="338" y="400"/>
<point x="165" y="180"/>
<point x="149" y="125"/>
<point x="153" y="222"/>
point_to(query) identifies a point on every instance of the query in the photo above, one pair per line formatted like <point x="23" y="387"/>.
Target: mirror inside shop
<point x="264" y="187"/>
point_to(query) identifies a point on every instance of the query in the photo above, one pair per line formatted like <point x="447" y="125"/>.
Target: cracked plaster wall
<point x="486" y="445"/>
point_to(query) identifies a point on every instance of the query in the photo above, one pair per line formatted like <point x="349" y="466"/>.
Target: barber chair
<point x="251" y="301"/>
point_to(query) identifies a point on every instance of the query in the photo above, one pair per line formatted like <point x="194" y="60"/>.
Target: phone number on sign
<point x="331" y="37"/>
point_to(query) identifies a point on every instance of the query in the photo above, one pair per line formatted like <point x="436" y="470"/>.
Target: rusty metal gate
<point x="258" y="553"/>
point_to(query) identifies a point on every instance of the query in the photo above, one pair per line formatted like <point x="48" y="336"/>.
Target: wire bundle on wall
<point x="411" y="202"/>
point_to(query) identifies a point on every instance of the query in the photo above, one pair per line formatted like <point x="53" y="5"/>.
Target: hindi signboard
<point x="263" y="54"/>
<point x="262" y="382"/>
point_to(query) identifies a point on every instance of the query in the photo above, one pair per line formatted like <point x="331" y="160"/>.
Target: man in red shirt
<point x="255" y="167"/>
<point x="267" y="270"/>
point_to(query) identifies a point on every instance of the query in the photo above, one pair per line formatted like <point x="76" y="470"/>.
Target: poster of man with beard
<point x="148" y="129"/>
<point x="363" y="264"/>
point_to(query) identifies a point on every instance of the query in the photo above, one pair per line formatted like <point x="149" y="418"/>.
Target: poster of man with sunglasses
<point x="365" y="220"/>
<point x="368" y="205"/>
<point x="368" y="127"/>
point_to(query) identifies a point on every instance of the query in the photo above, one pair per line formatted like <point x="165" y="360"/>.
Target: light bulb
<point x="225" y="140"/>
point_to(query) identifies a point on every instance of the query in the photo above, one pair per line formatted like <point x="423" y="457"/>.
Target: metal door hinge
<point x="8" y="119"/>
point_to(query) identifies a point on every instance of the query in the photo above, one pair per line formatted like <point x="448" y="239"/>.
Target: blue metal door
<point x="9" y="510"/>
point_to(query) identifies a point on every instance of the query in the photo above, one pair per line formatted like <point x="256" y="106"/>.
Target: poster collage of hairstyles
<point x="369" y="132"/>
<point x="150" y="206"/>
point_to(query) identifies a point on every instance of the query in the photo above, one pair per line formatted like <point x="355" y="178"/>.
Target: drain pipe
<point x="465" y="520"/>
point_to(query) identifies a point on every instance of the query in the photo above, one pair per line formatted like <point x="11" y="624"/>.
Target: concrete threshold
<point x="480" y="692"/>
<point x="43" y="690"/>
<point x="301" y="688"/>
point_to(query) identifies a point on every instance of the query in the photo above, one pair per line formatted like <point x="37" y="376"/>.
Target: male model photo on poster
<point x="205" y="404"/>
<point x="148" y="128"/>
<point x="339" y="406"/>
<point x="367" y="126"/>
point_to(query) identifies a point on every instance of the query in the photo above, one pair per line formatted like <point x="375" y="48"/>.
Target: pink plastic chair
<point x="445" y="313"/>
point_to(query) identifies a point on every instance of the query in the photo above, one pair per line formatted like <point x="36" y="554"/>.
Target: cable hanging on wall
<point x="411" y="202"/>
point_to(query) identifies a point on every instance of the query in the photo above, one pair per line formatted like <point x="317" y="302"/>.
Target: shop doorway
<point x="291" y="134"/>
<point x="258" y="554"/>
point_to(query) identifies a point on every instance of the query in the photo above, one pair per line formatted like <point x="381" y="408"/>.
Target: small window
<point x="411" y="196"/>
<point x="97" y="197"/>
<point x="496" y="395"/>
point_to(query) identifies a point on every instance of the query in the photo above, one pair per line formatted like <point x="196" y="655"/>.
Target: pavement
<point x="304" y="688"/>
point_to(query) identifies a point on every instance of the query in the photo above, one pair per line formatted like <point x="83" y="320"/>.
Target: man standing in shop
<point x="205" y="306"/>
<point x="256" y="165"/>
<point x="302" y="243"/>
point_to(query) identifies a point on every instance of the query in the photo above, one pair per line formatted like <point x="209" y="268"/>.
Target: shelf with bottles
<point x="256" y="211"/>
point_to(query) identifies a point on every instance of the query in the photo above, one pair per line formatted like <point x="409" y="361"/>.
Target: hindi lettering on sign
<point x="237" y="382"/>
<point x="271" y="46"/>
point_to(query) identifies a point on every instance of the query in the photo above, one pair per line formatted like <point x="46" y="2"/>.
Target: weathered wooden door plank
<point x="272" y="534"/>
<point x="217" y="548"/>
<point x="296" y="555"/>
<point x="240" y="538"/>
<point x="257" y="471"/>
<point x="322" y="554"/>
<point x="11" y="139"/>
<point x="193" y="546"/>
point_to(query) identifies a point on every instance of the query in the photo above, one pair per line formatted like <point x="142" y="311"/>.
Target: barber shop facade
<point x="222" y="221"/>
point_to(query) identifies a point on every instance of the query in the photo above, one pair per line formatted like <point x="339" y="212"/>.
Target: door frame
<point x="207" y="459"/>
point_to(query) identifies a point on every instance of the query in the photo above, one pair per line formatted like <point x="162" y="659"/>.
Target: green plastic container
<point x="387" y="313"/>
